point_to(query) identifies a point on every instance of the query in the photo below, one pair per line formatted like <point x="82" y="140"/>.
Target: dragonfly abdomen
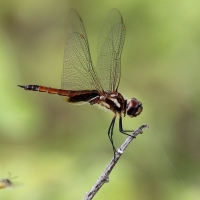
<point x="45" y="89"/>
<point x="72" y="96"/>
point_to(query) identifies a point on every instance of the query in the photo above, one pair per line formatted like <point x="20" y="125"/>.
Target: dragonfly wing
<point x="110" y="45"/>
<point x="78" y="71"/>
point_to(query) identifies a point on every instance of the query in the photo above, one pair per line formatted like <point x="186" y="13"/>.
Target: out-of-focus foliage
<point x="58" y="150"/>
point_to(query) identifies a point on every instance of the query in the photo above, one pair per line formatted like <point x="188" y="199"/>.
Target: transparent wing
<point x="110" y="44"/>
<point x="78" y="71"/>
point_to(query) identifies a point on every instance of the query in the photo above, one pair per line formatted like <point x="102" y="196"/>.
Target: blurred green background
<point x="58" y="150"/>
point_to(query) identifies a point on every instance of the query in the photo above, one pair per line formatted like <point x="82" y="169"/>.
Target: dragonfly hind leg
<point x="110" y="134"/>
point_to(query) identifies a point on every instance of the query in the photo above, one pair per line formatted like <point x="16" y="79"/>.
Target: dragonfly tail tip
<point x="22" y="86"/>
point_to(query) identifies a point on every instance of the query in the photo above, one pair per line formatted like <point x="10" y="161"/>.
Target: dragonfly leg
<point x="121" y="127"/>
<point x="110" y="133"/>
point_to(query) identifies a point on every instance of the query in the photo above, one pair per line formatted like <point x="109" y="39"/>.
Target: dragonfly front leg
<point x="121" y="128"/>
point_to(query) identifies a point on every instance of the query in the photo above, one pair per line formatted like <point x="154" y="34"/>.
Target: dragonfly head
<point x="133" y="107"/>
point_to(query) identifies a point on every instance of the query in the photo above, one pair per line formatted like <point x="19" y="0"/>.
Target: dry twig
<point x="104" y="178"/>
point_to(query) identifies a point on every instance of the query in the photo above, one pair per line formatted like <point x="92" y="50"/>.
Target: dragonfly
<point x="81" y="82"/>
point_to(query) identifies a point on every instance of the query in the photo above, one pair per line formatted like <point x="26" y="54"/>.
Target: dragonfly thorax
<point x="133" y="107"/>
<point x="113" y="101"/>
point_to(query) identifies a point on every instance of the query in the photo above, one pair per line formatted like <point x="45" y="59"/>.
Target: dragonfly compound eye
<point x="134" y="107"/>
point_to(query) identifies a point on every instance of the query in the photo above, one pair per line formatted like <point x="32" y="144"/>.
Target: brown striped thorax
<point x="81" y="82"/>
